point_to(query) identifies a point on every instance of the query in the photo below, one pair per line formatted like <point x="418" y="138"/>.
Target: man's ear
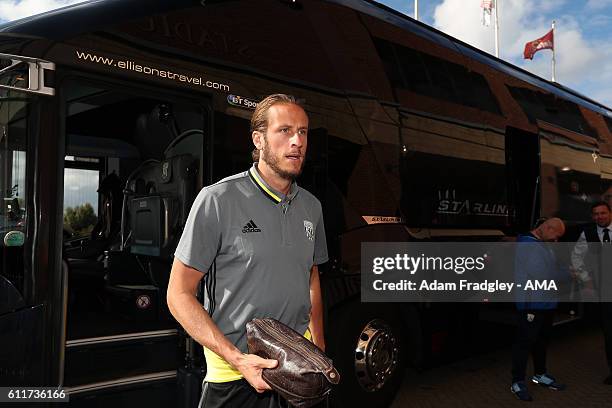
<point x="257" y="137"/>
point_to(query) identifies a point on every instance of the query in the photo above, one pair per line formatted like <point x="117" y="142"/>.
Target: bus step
<point x="154" y="390"/>
<point x="103" y="359"/>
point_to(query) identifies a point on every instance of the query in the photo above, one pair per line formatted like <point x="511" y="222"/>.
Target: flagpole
<point x="496" y="29"/>
<point x="553" y="51"/>
<point x="416" y="9"/>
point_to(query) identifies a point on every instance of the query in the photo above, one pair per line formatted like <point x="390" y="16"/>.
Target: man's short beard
<point x="273" y="162"/>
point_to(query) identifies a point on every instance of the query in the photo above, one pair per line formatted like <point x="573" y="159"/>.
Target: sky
<point x="583" y="33"/>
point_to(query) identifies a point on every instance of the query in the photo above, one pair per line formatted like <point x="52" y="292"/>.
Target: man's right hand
<point x="251" y="367"/>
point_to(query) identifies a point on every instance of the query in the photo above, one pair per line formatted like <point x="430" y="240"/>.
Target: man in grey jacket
<point x="258" y="238"/>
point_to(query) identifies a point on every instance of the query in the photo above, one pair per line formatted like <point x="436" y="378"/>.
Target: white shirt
<point x="580" y="250"/>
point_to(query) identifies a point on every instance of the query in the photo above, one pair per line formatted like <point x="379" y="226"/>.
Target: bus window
<point x="435" y="77"/>
<point x="452" y="176"/>
<point x="13" y="163"/>
<point x="547" y="107"/>
<point x="80" y="196"/>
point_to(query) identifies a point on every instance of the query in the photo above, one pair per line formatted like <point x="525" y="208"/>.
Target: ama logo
<point x="540" y="285"/>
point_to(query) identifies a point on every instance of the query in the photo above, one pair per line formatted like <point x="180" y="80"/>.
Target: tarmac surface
<point x="575" y="357"/>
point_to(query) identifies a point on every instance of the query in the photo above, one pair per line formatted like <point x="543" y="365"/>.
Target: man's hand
<point x="251" y="366"/>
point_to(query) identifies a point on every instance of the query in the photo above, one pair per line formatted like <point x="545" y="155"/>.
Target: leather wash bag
<point x="304" y="374"/>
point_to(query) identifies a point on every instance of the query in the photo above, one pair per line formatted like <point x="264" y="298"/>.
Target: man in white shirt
<point x="585" y="261"/>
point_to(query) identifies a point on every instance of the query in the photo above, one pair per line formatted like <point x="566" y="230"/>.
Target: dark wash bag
<point x="304" y="375"/>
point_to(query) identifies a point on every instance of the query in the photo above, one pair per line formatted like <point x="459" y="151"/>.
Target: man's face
<point x="285" y="140"/>
<point x="601" y="215"/>
<point x="552" y="230"/>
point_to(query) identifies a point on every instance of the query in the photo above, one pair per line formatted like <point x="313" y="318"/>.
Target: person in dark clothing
<point x="535" y="261"/>
<point x="585" y="261"/>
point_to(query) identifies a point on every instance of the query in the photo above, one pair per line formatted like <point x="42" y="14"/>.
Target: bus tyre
<point x="365" y="342"/>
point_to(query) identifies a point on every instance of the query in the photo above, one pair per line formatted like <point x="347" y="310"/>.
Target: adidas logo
<point x="250" y="227"/>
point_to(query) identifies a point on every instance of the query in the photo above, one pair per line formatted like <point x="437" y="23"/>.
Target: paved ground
<point x="576" y="357"/>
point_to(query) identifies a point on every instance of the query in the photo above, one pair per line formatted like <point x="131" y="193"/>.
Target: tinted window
<point x="14" y="113"/>
<point x="410" y="64"/>
<point x="388" y="57"/>
<point x="454" y="192"/>
<point x="440" y="80"/>
<point x="608" y="122"/>
<point x="552" y="109"/>
<point x="475" y="92"/>
<point x="435" y="77"/>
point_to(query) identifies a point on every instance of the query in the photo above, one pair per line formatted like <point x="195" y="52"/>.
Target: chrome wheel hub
<point x="376" y="355"/>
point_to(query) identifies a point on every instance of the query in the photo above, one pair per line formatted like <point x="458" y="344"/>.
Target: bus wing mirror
<point x="25" y="74"/>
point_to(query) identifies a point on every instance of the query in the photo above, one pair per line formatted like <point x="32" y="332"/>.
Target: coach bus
<point x="114" y="114"/>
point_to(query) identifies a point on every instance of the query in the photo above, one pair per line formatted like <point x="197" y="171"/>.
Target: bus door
<point x="15" y="279"/>
<point x="22" y="312"/>
<point x="523" y="177"/>
<point x="571" y="174"/>
<point x="133" y="165"/>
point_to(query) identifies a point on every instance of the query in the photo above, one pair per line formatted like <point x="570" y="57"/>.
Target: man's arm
<point x="316" y="309"/>
<point x="188" y="311"/>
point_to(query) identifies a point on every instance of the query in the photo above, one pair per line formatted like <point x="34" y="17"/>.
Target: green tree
<point x="80" y="219"/>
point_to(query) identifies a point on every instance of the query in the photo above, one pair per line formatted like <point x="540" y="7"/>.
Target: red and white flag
<point x="487" y="9"/>
<point x="546" y="42"/>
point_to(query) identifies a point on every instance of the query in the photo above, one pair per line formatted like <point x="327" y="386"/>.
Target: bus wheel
<point x="366" y="345"/>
